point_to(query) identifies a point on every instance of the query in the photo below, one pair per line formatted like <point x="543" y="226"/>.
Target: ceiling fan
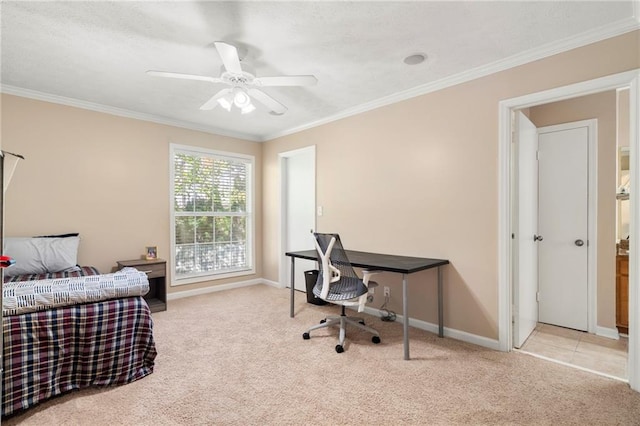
<point x="243" y="83"/>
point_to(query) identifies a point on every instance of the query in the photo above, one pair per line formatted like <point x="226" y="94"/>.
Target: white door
<point x="298" y="172"/>
<point x="526" y="274"/>
<point x="563" y="224"/>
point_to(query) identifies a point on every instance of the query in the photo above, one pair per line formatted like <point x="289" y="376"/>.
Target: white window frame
<point x="251" y="229"/>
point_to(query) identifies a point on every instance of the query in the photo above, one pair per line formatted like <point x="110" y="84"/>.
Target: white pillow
<point x="41" y="255"/>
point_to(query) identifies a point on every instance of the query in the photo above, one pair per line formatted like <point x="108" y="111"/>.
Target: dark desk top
<point x="381" y="262"/>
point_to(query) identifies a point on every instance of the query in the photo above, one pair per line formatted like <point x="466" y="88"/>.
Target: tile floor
<point x="578" y="348"/>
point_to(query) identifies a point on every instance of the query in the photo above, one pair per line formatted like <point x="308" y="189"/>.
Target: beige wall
<point x="103" y="176"/>
<point x="601" y="106"/>
<point x="420" y="178"/>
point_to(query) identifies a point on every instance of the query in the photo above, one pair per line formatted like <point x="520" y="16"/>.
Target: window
<point x="212" y="214"/>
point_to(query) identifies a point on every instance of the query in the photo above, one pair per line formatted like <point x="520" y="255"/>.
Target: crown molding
<point x="77" y="103"/>
<point x="598" y="34"/>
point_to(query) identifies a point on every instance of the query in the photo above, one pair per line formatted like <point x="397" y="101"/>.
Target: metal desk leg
<point x="405" y="314"/>
<point x="293" y="287"/>
<point x="440" y="304"/>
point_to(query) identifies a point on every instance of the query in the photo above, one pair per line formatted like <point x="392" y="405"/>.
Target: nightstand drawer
<point x="153" y="271"/>
<point x="153" y="268"/>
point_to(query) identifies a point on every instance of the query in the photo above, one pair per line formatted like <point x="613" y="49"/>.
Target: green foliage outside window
<point x="211" y="214"/>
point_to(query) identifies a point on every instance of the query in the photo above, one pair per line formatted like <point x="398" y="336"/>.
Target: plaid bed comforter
<point x="51" y="352"/>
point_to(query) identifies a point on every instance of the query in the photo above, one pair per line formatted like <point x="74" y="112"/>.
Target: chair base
<point x="342" y="320"/>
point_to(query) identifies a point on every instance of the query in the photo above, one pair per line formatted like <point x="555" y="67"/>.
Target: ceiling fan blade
<point x="184" y="76"/>
<point x="229" y="56"/>
<point x="287" y="80"/>
<point x="211" y="103"/>
<point x="266" y="100"/>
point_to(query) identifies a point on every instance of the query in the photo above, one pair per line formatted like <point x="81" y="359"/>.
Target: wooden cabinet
<point x="156" y="270"/>
<point x="622" y="293"/>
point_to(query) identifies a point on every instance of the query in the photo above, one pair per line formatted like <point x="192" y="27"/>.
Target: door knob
<point x="579" y="243"/>
<point x="537" y="237"/>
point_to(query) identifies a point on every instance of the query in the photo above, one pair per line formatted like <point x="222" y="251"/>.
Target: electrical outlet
<point x="387" y="291"/>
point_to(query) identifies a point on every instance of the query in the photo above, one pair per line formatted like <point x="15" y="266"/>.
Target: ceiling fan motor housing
<point x="234" y="79"/>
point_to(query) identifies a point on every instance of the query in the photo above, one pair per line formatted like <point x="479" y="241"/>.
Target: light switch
<point x="320" y="210"/>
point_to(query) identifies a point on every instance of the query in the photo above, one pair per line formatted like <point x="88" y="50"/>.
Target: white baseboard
<point x="611" y="333"/>
<point x="273" y="283"/>
<point x="423" y="325"/>
<point x="213" y="289"/>
<point x="448" y="332"/>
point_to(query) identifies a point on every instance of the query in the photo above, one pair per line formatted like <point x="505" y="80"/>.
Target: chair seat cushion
<point x="345" y="289"/>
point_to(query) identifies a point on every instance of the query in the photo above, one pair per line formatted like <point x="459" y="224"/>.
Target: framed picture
<point x="151" y="253"/>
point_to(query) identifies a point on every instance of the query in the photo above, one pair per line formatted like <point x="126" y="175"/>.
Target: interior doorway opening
<point x="555" y="216"/>
<point x="298" y="207"/>
<point x="507" y="250"/>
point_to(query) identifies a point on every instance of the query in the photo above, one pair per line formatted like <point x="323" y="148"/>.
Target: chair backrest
<point x="337" y="279"/>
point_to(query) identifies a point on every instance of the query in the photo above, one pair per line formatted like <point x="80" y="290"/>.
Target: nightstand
<point x="156" y="271"/>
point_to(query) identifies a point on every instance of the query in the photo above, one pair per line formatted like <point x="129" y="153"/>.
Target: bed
<point x="73" y="329"/>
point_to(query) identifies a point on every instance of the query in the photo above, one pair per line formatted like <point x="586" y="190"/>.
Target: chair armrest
<point x="366" y="276"/>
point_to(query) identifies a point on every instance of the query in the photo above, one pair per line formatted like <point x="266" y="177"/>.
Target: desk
<point x="389" y="263"/>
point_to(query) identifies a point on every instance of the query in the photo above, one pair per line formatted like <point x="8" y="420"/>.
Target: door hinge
<point x="537" y="155"/>
<point x="537" y="296"/>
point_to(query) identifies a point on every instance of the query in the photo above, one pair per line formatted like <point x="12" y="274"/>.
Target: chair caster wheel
<point x="339" y="349"/>
<point x="375" y="339"/>
<point x="306" y="336"/>
<point x="323" y="321"/>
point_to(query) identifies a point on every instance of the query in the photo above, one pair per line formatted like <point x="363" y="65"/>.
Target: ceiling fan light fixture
<point x="237" y="97"/>
<point x="240" y="98"/>
<point x="225" y="103"/>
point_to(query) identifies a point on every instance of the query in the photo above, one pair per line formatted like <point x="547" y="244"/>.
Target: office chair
<point x="339" y="284"/>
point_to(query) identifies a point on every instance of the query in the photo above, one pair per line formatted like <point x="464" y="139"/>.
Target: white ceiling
<point x="95" y="54"/>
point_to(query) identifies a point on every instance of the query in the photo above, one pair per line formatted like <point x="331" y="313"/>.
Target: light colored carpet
<point x="236" y="358"/>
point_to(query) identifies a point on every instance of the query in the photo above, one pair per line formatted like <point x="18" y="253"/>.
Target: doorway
<point x="298" y="200"/>
<point x="507" y="248"/>
<point x="554" y="221"/>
